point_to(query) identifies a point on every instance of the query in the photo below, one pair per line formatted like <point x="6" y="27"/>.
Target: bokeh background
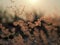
<point x="29" y="22"/>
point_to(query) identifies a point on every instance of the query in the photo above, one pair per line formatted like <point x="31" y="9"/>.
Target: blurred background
<point x="29" y="22"/>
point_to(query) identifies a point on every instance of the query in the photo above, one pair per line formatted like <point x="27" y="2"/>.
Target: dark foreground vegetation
<point x="37" y="32"/>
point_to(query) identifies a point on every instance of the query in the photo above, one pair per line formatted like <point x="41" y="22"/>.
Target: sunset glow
<point x="33" y="2"/>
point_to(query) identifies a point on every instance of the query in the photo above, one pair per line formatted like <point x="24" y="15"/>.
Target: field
<point x="43" y="30"/>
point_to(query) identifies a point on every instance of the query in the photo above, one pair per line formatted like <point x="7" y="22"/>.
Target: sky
<point x="46" y="5"/>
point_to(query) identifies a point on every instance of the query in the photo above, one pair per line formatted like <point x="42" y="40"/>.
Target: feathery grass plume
<point x="37" y="16"/>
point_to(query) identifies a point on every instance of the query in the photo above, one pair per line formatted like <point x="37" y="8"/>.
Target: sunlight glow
<point x="33" y="2"/>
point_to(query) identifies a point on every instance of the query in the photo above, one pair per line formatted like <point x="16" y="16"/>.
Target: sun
<point x="33" y="2"/>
